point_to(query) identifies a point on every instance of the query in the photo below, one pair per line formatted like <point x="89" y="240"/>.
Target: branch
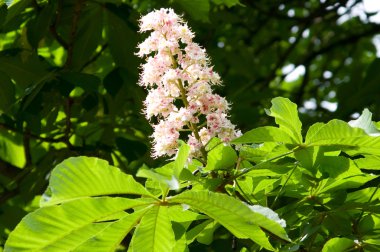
<point x="282" y="58"/>
<point x="9" y="170"/>
<point x="73" y="32"/>
<point x="68" y="123"/>
<point x="95" y="57"/>
<point x="53" y="27"/>
<point x="26" y="142"/>
<point x="347" y="40"/>
<point x="37" y="137"/>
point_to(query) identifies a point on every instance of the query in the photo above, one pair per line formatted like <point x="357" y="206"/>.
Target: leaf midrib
<point x="71" y="231"/>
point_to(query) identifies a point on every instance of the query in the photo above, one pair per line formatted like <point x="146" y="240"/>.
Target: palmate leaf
<point x="344" y="137"/>
<point x="79" y="177"/>
<point x="67" y="226"/>
<point x="154" y="232"/>
<point x="233" y="215"/>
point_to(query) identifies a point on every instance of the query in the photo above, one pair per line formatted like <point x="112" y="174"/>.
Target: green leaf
<point x="23" y="71"/>
<point x="88" y="38"/>
<point x="206" y="236"/>
<point x="3" y="12"/>
<point x="364" y="196"/>
<point x="65" y="227"/>
<point x="198" y="9"/>
<point x="7" y="94"/>
<point x="339" y="244"/>
<point x="15" y="10"/>
<point x="180" y="161"/>
<point x="79" y="177"/>
<point x="38" y="27"/>
<point x="339" y="134"/>
<point x="234" y="215"/>
<point x="111" y="235"/>
<point x="286" y="116"/>
<point x="309" y="157"/>
<point x="88" y="82"/>
<point x="368" y="163"/>
<point x="154" y="232"/>
<point x="264" y="134"/>
<point x="221" y="157"/>
<point x="181" y="214"/>
<point x="342" y="173"/>
<point x="193" y="233"/>
<point x="12" y="149"/>
<point x="165" y="180"/>
<point x="121" y="38"/>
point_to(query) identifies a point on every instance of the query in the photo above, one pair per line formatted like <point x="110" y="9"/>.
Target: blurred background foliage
<point x="68" y="76"/>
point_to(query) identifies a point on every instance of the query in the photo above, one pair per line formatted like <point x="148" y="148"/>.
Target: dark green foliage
<point x="68" y="78"/>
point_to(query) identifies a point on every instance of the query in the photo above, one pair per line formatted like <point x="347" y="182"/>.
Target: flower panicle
<point x="179" y="80"/>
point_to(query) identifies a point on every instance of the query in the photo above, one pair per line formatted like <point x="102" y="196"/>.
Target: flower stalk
<point x="177" y="68"/>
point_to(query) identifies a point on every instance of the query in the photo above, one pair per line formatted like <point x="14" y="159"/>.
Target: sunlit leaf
<point x="221" y="157"/>
<point x="154" y="232"/>
<point x="264" y="134"/>
<point x="368" y="163"/>
<point x="112" y="234"/>
<point x="65" y="227"/>
<point x="181" y="159"/>
<point x="341" y="135"/>
<point x="12" y="149"/>
<point x="233" y="215"/>
<point x="79" y="177"/>
<point x="338" y="244"/>
<point x="286" y="115"/>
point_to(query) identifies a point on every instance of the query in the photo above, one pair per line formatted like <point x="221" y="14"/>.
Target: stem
<point x="369" y="200"/>
<point x="165" y="194"/>
<point x="73" y="32"/>
<point x="283" y="186"/>
<point x="266" y="161"/>
<point x="193" y="127"/>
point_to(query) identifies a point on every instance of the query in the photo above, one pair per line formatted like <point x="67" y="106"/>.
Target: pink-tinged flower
<point x="178" y="78"/>
<point x="158" y="104"/>
<point x="165" y="138"/>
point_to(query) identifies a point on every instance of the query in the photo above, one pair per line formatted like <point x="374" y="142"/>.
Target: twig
<point x="53" y="26"/>
<point x="246" y="170"/>
<point x="73" y="32"/>
<point x="26" y="142"/>
<point x="95" y="57"/>
<point x="283" y="186"/>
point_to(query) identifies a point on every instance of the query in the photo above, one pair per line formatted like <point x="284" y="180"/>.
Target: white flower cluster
<point x="178" y="78"/>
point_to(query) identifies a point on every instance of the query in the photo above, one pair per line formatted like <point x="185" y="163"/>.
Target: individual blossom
<point x="179" y="80"/>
